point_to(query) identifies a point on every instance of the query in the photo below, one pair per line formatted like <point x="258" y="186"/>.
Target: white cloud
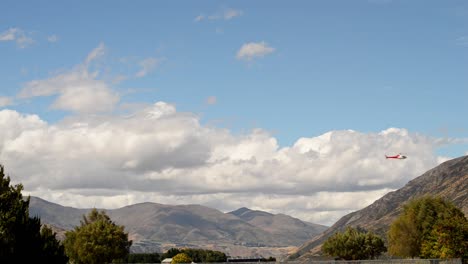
<point x="226" y="14"/>
<point x="22" y="38"/>
<point x="9" y="35"/>
<point x="232" y="13"/>
<point x="199" y="18"/>
<point x="97" y="52"/>
<point x="5" y="101"/>
<point x="78" y="90"/>
<point x="253" y="50"/>
<point x="147" y="65"/>
<point x="52" y="38"/>
<point x="158" y="154"/>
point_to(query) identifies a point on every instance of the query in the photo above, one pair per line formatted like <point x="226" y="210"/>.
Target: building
<point x="166" y="261"/>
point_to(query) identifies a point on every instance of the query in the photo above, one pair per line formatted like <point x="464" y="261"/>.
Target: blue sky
<point x="291" y="69"/>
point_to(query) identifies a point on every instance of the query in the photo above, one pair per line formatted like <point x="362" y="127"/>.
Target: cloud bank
<point x="158" y="154"/>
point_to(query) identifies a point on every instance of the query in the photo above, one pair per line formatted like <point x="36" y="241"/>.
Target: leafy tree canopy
<point x="97" y="240"/>
<point x="197" y="255"/>
<point x="181" y="258"/>
<point x="21" y="237"/>
<point x="354" y="244"/>
<point x="429" y="227"/>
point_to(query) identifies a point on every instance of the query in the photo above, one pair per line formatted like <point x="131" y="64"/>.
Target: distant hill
<point x="283" y="227"/>
<point x="157" y="227"/>
<point x="448" y="180"/>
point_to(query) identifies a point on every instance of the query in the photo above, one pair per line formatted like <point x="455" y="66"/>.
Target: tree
<point x="354" y="244"/>
<point x="21" y="237"/>
<point x="212" y="256"/>
<point x="181" y="258"/>
<point x="448" y="239"/>
<point x="52" y="248"/>
<point x="429" y="227"/>
<point x="197" y="255"/>
<point x="97" y="240"/>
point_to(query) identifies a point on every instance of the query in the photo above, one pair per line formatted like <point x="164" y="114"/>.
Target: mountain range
<point x="157" y="227"/>
<point x="448" y="180"/>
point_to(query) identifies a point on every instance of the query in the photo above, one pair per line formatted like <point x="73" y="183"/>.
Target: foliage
<point x="429" y="227"/>
<point x="181" y="258"/>
<point x="197" y="255"/>
<point x="205" y="256"/>
<point x="143" y="258"/>
<point x="97" y="240"/>
<point x="354" y="244"/>
<point x="53" y="250"/>
<point x="21" y="238"/>
<point x="448" y="239"/>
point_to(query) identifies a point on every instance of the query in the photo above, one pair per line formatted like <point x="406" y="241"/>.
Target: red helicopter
<point x="399" y="156"/>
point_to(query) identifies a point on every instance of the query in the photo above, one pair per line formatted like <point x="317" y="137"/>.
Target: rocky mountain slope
<point x="283" y="227"/>
<point x="449" y="180"/>
<point x="157" y="227"/>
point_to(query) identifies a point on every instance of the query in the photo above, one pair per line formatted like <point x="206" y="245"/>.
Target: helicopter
<point x="399" y="156"/>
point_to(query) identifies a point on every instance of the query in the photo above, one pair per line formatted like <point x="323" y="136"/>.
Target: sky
<point x="283" y="106"/>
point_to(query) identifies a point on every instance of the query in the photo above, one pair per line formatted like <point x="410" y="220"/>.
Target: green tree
<point x="52" y="248"/>
<point x="21" y="238"/>
<point x="181" y="258"/>
<point x="212" y="256"/>
<point x="97" y="240"/>
<point x="354" y="244"/>
<point x="197" y="255"/>
<point x="429" y="227"/>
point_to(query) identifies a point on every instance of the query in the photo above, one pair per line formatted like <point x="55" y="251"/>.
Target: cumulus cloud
<point x="5" y="101"/>
<point x="22" y="38"/>
<point x="158" y="154"/>
<point x="77" y="90"/>
<point x="253" y="50"/>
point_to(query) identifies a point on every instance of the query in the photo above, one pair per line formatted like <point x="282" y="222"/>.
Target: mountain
<point x="448" y="180"/>
<point x="158" y="227"/>
<point x="282" y="226"/>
